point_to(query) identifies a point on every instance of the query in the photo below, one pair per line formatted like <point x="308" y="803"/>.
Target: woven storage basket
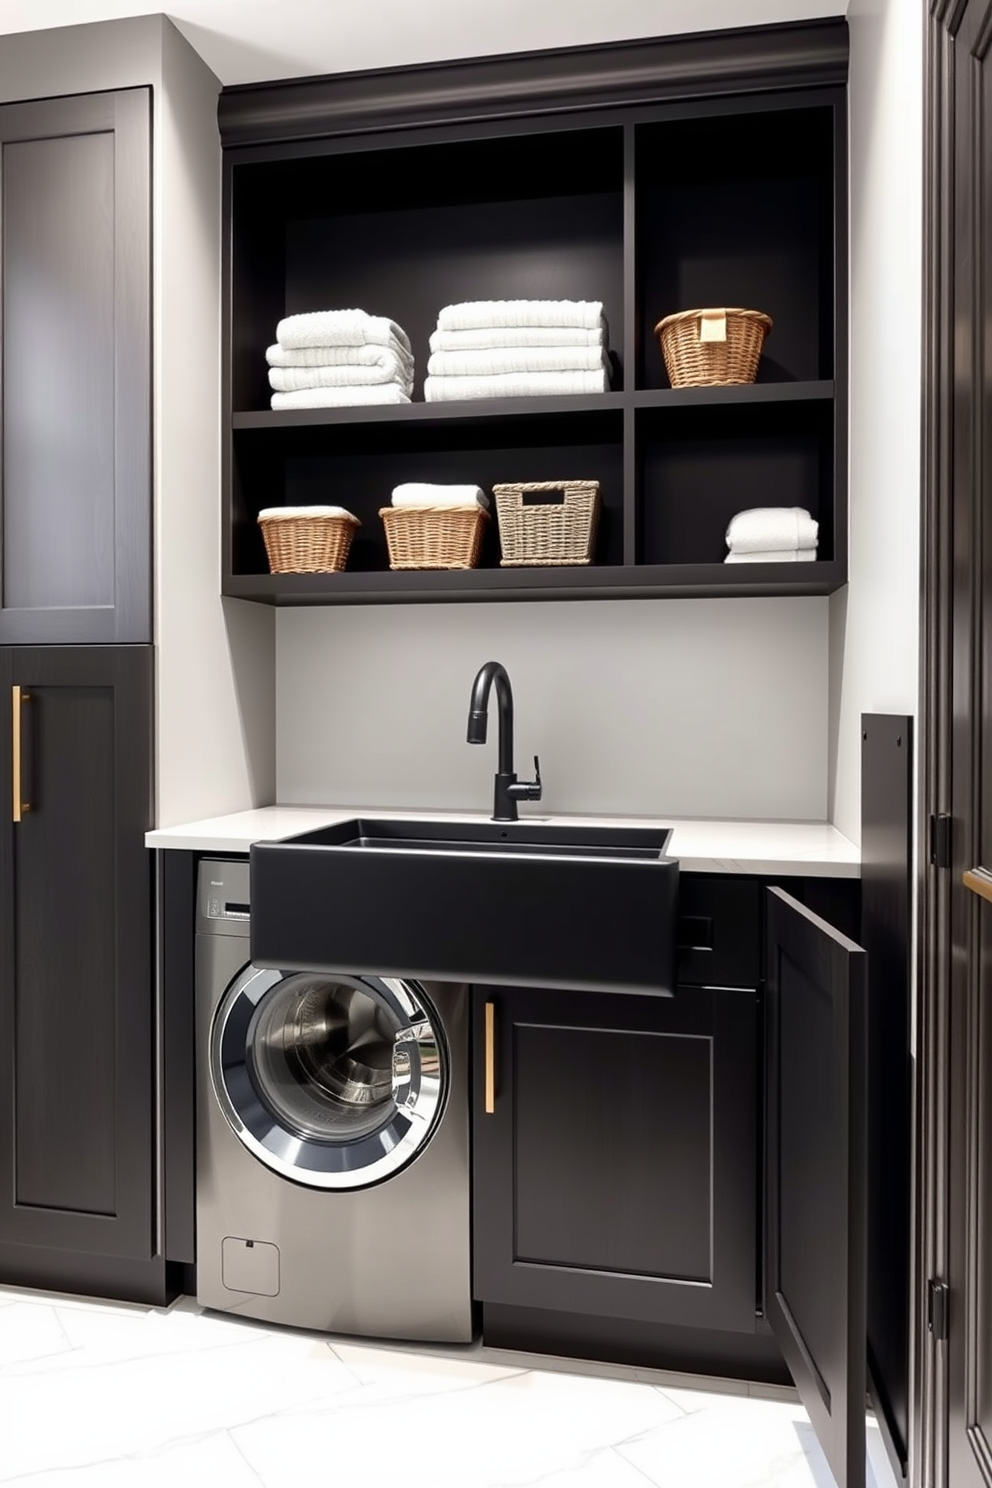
<point x="547" y="533"/>
<point x="434" y="536"/>
<point x="712" y="348"/>
<point x="307" y="539"/>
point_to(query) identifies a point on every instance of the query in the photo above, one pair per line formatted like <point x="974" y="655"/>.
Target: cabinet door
<point x="76" y="305"/>
<point x="76" y="1005"/>
<point x="816" y="1183"/>
<point x="615" y="1168"/>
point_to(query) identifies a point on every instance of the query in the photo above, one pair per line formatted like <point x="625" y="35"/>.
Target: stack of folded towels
<point x="421" y="495"/>
<point x="334" y="358"/>
<point x="518" y="348"/>
<point x="772" y="534"/>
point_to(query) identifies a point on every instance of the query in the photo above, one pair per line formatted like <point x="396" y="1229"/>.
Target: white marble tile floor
<point x="107" y="1395"/>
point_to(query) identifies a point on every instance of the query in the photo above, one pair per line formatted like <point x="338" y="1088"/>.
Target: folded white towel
<point x="340" y="397"/>
<point x="763" y="529"/>
<point x="486" y="338"/>
<point x="517" y="359"/>
<point x="293" y="379"/>
<point x="339" y="328"/>
<point x="338" y="356"/>
<point x="512" y="385"/>
<point x="473" y="314"/>
<point x="776" y="555"/>
<point x="306" y="511"/>
<point x="422" y="493"/>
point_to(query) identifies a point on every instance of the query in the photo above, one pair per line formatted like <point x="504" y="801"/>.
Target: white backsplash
<point x="682" y="707"/>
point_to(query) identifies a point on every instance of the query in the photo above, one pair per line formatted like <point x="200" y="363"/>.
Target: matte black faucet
<point x="509" y="790"/>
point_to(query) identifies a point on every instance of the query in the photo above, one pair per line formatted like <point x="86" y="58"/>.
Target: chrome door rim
<point x="419" y="1083"/>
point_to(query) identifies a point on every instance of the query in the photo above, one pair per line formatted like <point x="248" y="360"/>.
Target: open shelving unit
<point x="731" y="195"/>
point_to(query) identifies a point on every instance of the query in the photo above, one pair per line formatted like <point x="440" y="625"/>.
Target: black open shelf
<point x="650" y="205"/>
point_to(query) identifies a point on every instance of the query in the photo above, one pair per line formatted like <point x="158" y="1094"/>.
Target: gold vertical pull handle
<point x="20" y="806"/>
<point x="979" y="881"/>
<point x="490" y="1097"/>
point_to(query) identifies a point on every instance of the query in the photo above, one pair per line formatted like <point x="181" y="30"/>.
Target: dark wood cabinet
<point x="616" y="1174"/>
<point x="77" y="1060"/>
<point x="711" y="179"/>
<point x="698" y="1162"/>
<point x="816" y="1162"/>
<point x="75" y="229"/>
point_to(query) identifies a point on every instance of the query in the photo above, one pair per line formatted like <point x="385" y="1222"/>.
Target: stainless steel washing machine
<point x="332" y="1184"/>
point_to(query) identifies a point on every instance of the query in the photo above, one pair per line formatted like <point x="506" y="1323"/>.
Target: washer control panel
<point x="223" y="898"/>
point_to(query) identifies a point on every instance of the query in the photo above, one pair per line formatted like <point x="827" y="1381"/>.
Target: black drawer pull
<point x="695" y="933"/>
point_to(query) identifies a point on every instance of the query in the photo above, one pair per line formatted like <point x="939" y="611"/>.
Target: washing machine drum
<point x="334" y="1081"/>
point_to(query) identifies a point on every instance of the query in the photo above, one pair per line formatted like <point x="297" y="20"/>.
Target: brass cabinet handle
<point x="20" y="806"/>
<point x="490" y="1096"/>
<point x="979" y="881"/>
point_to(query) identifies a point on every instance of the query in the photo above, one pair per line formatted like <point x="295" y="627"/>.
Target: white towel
<point x="422" y="493"/>
<point x="512" y="385"/>
<point x="486" y="338"/>
<point x="307" y="511"/>
<point x="517" y="359"/>
<point x="340" y="397"/>
<point x="474" y="314"/>
<point x="338" y="356"/>
<point x="764" y="529"/>
<point x="294" y="379"/>
<point x="339" y="328"/>
<point x="777" y="555"/>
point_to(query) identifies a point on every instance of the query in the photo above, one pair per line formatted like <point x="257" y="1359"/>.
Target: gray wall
<point x="681" y="707"/>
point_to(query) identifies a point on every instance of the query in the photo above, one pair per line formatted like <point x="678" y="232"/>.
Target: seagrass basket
<point x="712" y="348"/>
<point x="307" y="539"/>
<point x="434" y="536"/>
<point x="545" y="533"/>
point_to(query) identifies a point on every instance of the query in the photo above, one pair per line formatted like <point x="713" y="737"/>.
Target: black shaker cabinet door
<point x="76" y="1035"/>
<point x="75" y="295"/>
<point x="816" y="1225"/>
<point x="615" y="1154"/>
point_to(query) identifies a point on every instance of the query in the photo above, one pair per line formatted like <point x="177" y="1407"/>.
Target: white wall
<point x="874" y="624"/>
<point x="680" y="707"/>
<point x="216" y="658"/>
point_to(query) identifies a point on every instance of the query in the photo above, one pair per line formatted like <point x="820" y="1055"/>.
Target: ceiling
<point x="246" y="40"/>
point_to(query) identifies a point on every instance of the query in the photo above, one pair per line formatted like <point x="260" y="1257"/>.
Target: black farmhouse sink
<point x="524" y="903"/>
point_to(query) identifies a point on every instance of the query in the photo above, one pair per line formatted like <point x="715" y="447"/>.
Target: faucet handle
<point x="528" y="790"/>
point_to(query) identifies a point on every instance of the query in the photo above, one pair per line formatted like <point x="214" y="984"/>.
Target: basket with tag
<point x="712" y="348"/>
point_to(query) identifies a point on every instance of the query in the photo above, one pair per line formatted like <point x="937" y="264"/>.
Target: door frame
<point x="938" y="886"/>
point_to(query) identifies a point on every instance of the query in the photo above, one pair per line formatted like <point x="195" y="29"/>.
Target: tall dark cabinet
<point x="77" y="1027"/>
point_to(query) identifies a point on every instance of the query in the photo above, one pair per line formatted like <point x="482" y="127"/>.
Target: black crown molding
<point x="703" y="65"/>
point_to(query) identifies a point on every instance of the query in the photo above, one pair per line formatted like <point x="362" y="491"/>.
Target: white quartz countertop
<point x="701" y="846"/>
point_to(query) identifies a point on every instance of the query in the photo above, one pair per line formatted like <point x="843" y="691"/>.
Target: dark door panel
<point x="616" y="1174"/>
<point x="76" y="1046"/>
<point x="816" y="1173"/>
<point x="75" y="203"/>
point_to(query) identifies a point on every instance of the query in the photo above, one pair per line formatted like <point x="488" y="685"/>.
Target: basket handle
<point x="543" y="498"/>
<point x="713" y="325"/>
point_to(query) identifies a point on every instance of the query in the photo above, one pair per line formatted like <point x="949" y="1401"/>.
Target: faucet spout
<point x="493" y="674"/>
<point x="508" y="790"/>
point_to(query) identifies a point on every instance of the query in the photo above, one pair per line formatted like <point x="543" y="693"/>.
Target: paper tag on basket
<point x="713" y="325"/>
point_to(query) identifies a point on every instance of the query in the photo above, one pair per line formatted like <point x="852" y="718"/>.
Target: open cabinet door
<point x="816" y="1173"/>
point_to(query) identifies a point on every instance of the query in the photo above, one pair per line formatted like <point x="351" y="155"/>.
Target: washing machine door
<point x="334" y="1081"/>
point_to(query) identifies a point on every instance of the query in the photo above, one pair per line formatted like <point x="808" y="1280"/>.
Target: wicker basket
<point x="542" y="534"/>
<point x="712" y="348"/>
<point x="307" y="539"/>
<point x="434" y="536"/>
